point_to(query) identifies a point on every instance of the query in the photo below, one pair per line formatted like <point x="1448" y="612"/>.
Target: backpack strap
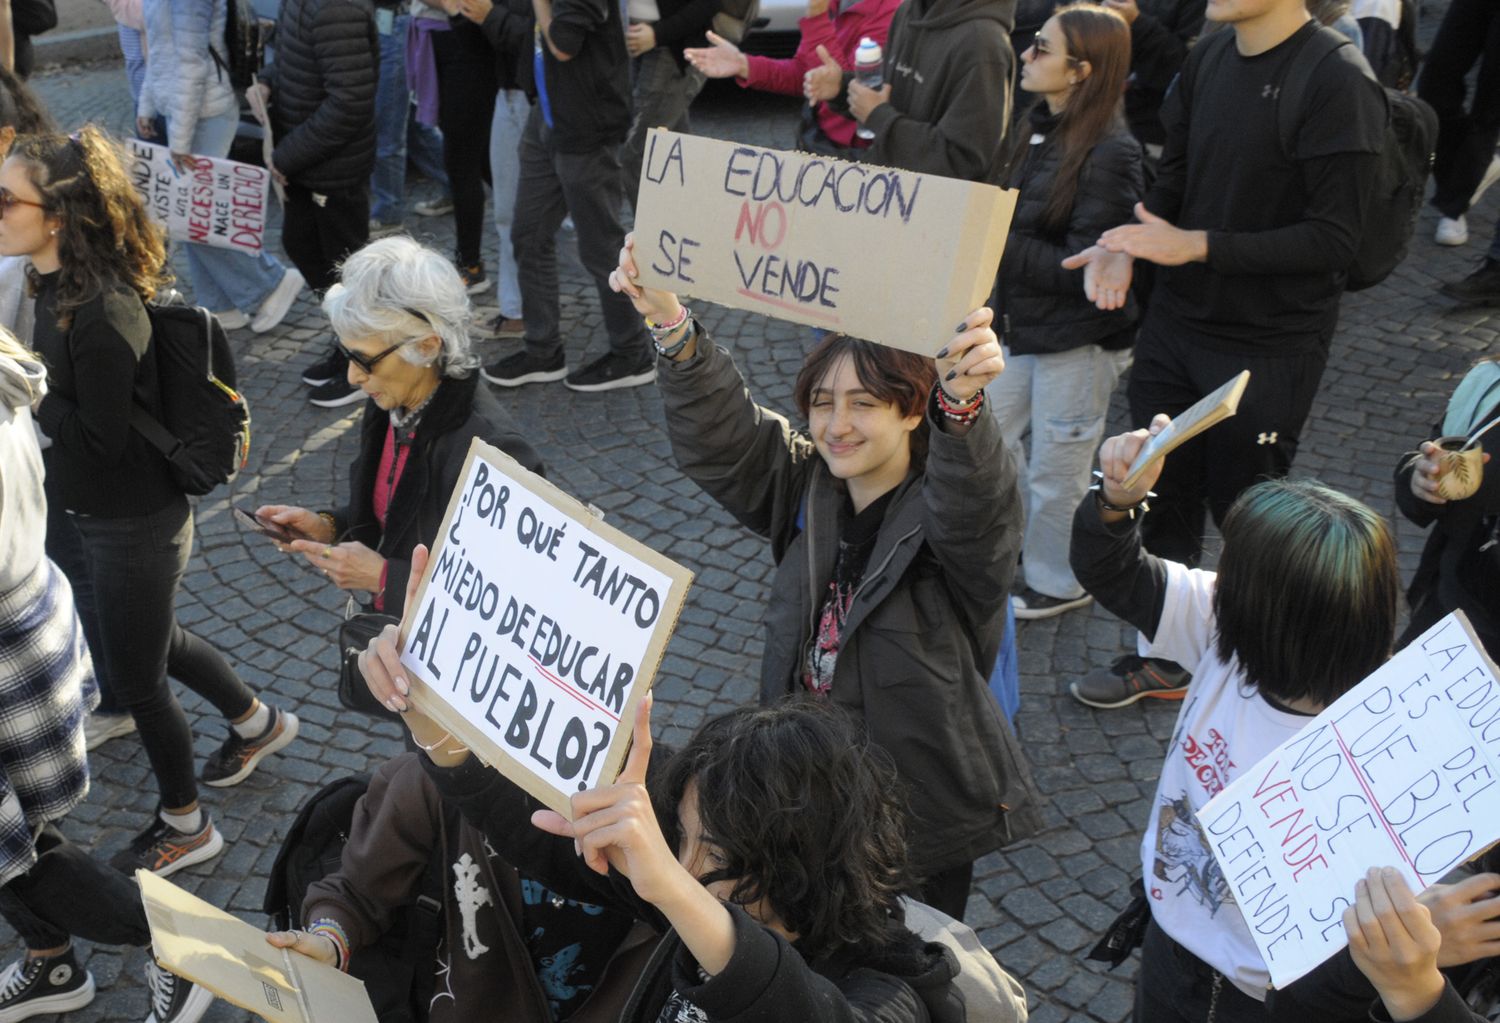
<point x="1291" y="95"/>
<point x="159" y="436"/>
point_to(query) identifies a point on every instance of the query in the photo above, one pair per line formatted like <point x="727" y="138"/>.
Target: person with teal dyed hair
<point x="1301" y="609"/>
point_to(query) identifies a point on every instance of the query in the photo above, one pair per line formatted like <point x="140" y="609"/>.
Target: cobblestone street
<point x="1040" y="905"/>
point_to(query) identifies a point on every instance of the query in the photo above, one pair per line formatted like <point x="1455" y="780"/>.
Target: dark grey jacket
<point x="924" y="628"/>
<point x="323" y="93"/>
<point x="1042" y="306"/>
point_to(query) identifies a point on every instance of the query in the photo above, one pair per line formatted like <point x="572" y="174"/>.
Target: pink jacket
<point x="841" y="33"/>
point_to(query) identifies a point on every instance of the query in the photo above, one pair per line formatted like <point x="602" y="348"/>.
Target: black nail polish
<point x="941" y="355"/>
<point x="951" y="374"/>
<point x="961" y="327"/>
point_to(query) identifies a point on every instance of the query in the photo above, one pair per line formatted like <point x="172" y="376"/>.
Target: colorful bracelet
<point x="962" y="412"/>
<point x="334" y="932"/>
<point x="661" y="330"/>
<point x="672" y="351"/>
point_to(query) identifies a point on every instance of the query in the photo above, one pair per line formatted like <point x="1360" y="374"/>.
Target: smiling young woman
<point x="894" y="521"/>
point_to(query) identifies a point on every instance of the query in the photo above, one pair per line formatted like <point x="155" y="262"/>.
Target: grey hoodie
<point x="23" y="508"/>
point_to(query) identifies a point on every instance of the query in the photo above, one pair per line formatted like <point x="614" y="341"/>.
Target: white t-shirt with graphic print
<point x="1223" y="728"/>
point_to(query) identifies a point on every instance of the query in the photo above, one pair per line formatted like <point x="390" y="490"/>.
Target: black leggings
<point x="135" y="565"/>
<point x="466" y="105"/>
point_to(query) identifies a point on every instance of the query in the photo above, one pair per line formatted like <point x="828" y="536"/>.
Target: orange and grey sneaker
<point x="235" y="759"/>
<point x="164" y="850"/>
<point x="1132" y="678"/>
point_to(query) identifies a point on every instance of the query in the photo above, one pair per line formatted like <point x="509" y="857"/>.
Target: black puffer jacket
<point x="323" y="93"/>
<point x="1042" y="306"/>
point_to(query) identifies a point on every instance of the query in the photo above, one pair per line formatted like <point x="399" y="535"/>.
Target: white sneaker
<point x="274" y="309"/>
<point x="232" y="319"/>
<point x="100" y="728"/>
<point x="439" y="207"/>
<point x="1491" y="175"/>
<point x="1451" y="231"/>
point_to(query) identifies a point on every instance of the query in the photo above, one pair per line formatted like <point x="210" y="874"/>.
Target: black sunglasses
<point x="368" y="362"/>
<point x="9" y="199"/>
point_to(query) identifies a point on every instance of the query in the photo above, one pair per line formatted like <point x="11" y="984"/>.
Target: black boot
<point x="1482" y="287"/>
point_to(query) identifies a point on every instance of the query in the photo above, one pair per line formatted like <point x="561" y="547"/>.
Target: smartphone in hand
<point x="266" y="527"/>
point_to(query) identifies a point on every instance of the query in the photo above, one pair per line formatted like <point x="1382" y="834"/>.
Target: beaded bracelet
<point x="334" y="932"/>
<point x="961" y="412"/>
<point x="661" y="330"/>
<point x="673" y="351"/>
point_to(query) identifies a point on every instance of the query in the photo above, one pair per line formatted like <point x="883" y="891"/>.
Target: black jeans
<point x="68" y="893"/>
<point x="1211" y="470"/>
<point x="466" y="105"/>
<point x="317" y="236"/>
<point x="65" y="548"/>
<point x="587" y="185"/>
<point x="1175" y="986"/>
<point x="1470" y="32"/>
<point x="135" y="566"/>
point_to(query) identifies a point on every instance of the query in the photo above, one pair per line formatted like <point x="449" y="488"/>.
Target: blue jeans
<point x="509" y="123"/>
<point x="222" y="278"/>
<point x="1061" y="398"/>
<point x="396" y="130"/>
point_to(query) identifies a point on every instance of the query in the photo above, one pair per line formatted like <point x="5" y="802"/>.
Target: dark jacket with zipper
<point x="923" y="629"/>
<point x="590" y="93"/>
<point x="1043" y="307"/>
<point x="461" y="410"/>
<point x="684" y="23"/>
<point x="323" y="93"/>
<point x="950" y="66"/>
<point x="766" y="981"/>
<point x="400" y="826"/>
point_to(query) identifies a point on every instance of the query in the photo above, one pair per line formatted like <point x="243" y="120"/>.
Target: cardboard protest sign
<point x="537" y="629"/>
<point x="233" y="960"/>
<point x="1400" y="771"/>
<point x="887" y="255"/>
<point x="219" y="202"/>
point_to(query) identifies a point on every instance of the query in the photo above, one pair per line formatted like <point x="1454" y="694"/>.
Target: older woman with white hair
<point x="402" y="317"/>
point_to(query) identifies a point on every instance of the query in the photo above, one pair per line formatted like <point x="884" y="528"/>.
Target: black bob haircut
<point x="806" y="814"/>
<point x="1307" y="590"/>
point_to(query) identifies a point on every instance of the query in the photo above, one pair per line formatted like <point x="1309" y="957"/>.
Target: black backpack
<point x="397" y="971"/>
<point x="1405" y="156"/>
<point x="245" y="40"/>
<point x="204" y="430"/>
<point x="1411" y="129"/>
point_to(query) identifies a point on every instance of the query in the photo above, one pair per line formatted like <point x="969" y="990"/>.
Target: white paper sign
<point x="219" y="202"/>
<point x="1400" y="771"/>
<point x="538" y="629"/>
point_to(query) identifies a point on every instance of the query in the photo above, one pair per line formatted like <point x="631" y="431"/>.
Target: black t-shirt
<point x="1282" y="226"/>
<point x="856" y="542"/>
<point x="569" y="942"/>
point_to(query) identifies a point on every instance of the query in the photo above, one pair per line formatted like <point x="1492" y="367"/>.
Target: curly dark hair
<point x="19" y="107"/>
<point x="105" y="236"/>
<point x="805" y="811"/>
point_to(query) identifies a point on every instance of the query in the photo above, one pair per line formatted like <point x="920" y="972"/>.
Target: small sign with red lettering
<point x="215" y="202"/>
<point x="1400" y="771"/>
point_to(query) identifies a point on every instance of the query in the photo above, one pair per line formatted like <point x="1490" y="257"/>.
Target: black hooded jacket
<point x="950" y="66"/>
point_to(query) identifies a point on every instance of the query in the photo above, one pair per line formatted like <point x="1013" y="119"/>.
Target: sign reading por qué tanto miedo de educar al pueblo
<point x="888" y="255"/>
<point x="537" y="629"/>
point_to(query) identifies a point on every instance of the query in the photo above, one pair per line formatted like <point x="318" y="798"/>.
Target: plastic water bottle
<point x="869" y="65"/>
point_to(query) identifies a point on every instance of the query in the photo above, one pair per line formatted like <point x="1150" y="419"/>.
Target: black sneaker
<point x="238" y="757"/>
<point x="332" y="366"/>
<point x="1029" y="604"/>
<point x="175" y="999"/>
<point x="336" y="393"/>
<point x="611" y="372"/>
<point x="35" y="987"/>
<point x="164" y="850"/>
<point x="475" y="282"/>
<point x="1482" y="287"/>
<point x="1129" y="679"/>
<point x="525" y="368"/>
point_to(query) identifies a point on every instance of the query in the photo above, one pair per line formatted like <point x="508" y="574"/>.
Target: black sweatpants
<point x="1171" y="372"/>
<point x="1470" y="33"/>
<point x="318" y="230"/>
